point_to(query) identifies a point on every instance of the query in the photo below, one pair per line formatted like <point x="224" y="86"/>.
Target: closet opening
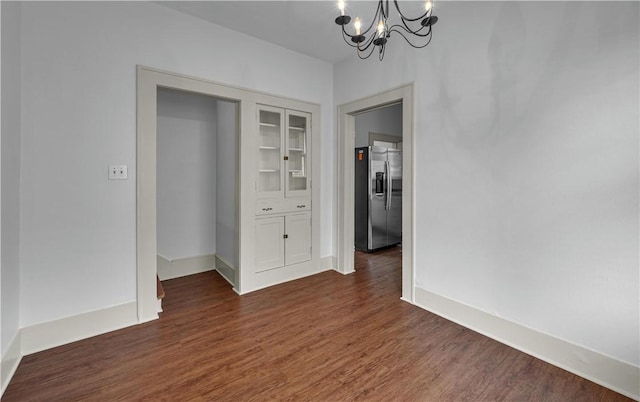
<point x="196" y="184"/>
<point x="179" y="107"/>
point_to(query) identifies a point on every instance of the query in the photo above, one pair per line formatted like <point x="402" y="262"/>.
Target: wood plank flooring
<point x="324" y="338"/>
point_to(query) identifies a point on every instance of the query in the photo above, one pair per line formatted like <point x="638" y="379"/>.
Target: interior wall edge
<point x="328" y="262"/>
<point x="604" y="370"/>
<point x="10" y="361"/>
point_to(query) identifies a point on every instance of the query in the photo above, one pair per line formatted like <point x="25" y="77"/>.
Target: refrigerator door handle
<point x="369" y="181"/>
<point x="387" y="167"/>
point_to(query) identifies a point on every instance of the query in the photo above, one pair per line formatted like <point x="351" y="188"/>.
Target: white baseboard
<point x="264" y="279"/>
<point x="47" y="335"/>
<point x="10" y="362"/>
<point x="327" y="263"/>
<point x="170" y="269"/>
<point x="605" y="370"/>
<point x="225" y="269"/>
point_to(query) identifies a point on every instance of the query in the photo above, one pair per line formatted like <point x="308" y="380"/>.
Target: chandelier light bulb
<point x="428" y="5"/>
<point x="357" y="24"/>
<point x="341" y="6"/>
<point x="380" y="28"/>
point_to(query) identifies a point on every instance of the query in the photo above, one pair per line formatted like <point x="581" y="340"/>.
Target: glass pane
<point x="297" y="175"/>
<point x="269" y="151"/>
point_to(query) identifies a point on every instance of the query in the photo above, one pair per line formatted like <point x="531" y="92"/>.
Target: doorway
<point x="196" y="179"/>
<point x="378" y="178"/>
<point x="346" y="203"/>
<point x="149" y="82"/>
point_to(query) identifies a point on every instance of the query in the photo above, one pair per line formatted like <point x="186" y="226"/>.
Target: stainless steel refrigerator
<point x="378" y="197"/>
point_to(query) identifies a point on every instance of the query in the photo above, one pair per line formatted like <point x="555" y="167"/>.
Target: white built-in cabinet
<point x="283" y="188"/>
<point x="283" y="153"/>
<point x="283" y="240"/>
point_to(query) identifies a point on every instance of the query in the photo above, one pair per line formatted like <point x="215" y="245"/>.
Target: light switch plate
<point x="117" y="172"/>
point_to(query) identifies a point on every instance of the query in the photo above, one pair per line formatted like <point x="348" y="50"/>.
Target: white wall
<point x="387" y="120"/>
<point x="526" y="168"/>
<point x="226" y="179"/>
<point x="10" y="168"/>
<point x="186" y="174"/>
<point x="79" y="82"/>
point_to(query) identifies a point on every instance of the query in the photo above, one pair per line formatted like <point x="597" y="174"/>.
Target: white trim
<point x="47" y="335"/>
<point x="605" y="370"/>
<point x="346" y="145"/>
<point x="327" y="263"/>
<point x="146" y="242"/>
<point x="281" y="275"/>
<point x="10" y="361"/>
<point x="170" y="269"/>
<point x="225" y="269"/>
<point x="373" y="136"/>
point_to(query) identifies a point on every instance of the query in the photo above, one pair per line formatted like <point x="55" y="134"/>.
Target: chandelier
<point x="415" y="30"/>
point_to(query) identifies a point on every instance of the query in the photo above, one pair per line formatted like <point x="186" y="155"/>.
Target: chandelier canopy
<point x="417" y="30"/>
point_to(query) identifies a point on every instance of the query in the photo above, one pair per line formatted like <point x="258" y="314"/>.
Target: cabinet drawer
<point x="282" y="206"/>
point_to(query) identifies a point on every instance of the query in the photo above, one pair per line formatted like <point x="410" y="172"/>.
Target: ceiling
<point x="305" y="26"/>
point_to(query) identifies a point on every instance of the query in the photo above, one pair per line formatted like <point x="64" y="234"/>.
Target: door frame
<point x="148" y="82"/>
<point x="346" y="145"/>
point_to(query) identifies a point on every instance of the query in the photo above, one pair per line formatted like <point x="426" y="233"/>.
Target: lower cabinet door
<point x="269" y="243"/>
<point x="298" y="238"/>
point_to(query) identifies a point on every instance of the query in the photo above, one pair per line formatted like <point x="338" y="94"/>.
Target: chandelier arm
<point x="360" y="52"/>
<point x="344" y="37"/>
<point x="408" y="29"/>
<point x="395" y="27"/>
<point x="404" y="18"/>
<point x="402" y="32"/>
<point x="376" y="17"/>
<point x="409" y="42"/>
<point x="368" y="43"/>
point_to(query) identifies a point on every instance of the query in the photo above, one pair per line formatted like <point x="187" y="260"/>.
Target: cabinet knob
<point x="286" y="158"/>
<point x="285" y="236"/>
<point x="267" y="209"/>
<point x="301" y="206"/>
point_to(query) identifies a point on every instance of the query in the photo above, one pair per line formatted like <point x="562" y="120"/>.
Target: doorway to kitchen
<point x="378" y="179"/>
<point x="346" y="181"/>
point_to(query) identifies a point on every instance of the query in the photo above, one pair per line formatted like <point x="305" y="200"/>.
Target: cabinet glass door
<point x="269" y="152"/>
<point x="297" y="137"/>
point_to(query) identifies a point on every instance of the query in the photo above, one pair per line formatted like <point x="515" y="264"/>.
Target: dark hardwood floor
<point x="324" y="338"/>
